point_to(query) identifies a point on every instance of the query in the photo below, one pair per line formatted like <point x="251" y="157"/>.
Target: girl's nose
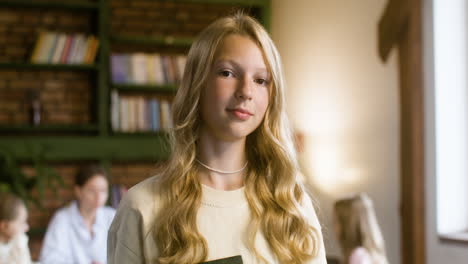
<point x="244" y="91"/>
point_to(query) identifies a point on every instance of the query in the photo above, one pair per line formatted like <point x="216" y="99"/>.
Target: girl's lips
<point x="240" y="113"/>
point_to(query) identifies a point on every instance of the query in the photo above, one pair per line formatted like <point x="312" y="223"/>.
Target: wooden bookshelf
<point x="169" y="89"/>
<point x="120" y="147"/>
<point x="85" y="128"/>
<point x="161" y="40"/>
<point x="98" y="133"/>
<point x="49" y="66"/>
<point x="73" y="5"/>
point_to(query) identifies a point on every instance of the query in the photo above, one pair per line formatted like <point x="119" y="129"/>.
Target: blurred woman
<point x="78" y="232"/>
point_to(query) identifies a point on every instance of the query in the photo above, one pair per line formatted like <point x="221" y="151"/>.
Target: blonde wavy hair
<point x="271" y="187"/>
<point x="358" y="227"/>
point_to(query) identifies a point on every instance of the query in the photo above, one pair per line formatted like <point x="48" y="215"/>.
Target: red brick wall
<point x="166" y="18"/>
<point x="65" y="96"/>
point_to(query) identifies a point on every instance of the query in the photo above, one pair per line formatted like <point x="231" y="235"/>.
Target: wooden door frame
<point x="401" y="27"/>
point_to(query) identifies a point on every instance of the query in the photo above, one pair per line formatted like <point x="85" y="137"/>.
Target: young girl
<point x="13" y="226"/>
<point x="358" y="231"/>
<point x="229" y="192"/>
<point x="78" y="232"/>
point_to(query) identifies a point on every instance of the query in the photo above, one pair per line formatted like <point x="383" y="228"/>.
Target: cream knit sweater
<point x="221" y="219"/>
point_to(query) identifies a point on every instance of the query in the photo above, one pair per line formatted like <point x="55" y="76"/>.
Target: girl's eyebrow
<point x="220" y="62"/>
<point x="237" y="66"/>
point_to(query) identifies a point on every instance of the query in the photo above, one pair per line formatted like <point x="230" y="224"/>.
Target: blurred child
<point x="358" y="231"/>
<point x="13" y="225"/>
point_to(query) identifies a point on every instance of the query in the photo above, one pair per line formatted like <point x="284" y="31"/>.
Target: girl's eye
<point x="261" y="81"/>
<point x="225" y="73"/>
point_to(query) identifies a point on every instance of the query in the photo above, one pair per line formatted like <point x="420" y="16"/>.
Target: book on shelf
<point x="140" y="114"/>
<point x="39" y="45"/>
<point x="130" y="113"/>
<point x="158" y="70"/>
<point x="60" y="45"/>
<point x="115" y="110"/>
<point x="166" y="115"/>
<point x="181" y="61"/>
<point x="154" y="69"/>
<point x="54" y="47"/>
<point x="66" y="50"/>
<point x="91" y="52"/>
<point x="42" y="48"/>
<point x="139" y="67"/>
<point x="119" y="68"/>
<point x="167" y="69"/>
<point x="144" y="68"/>
<point x="76" y="52"/>
<point x="155" y="115"/>
<point x="123" y="116"/>
<point x="151" y="68"/>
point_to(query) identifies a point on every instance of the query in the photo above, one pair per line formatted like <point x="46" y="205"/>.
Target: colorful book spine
<point x="53" y="47"/>
<point x="155" y="118"/>
<point x="119" y="68"/>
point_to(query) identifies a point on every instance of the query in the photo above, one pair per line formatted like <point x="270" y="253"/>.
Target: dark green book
<point x="230" y="260"/>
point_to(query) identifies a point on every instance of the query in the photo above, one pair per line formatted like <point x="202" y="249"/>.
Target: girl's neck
<point x="227" y="156"/>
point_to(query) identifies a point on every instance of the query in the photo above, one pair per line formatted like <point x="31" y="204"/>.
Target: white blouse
<point x="15" y="251"/>
<point x="68" y="240"/>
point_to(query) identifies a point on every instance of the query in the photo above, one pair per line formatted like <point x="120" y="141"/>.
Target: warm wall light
<point x="329" y="168"/>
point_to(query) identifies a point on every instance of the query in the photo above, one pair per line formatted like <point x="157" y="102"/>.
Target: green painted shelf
<point x="70" y="148"/>
<point x="55" y="67"/>
<point x="259" y="3"/>
<point x="168" y="88"/>
<point x="49" y="128"/>
<point x="156" y="40"/>
<point x="75" y="5"/>
<point x="139" y="133"/>
<point x="47" y="4"/>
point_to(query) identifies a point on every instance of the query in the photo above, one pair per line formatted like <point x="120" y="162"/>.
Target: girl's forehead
<point x="235" y="43"/>
<point x="241" y="50"/>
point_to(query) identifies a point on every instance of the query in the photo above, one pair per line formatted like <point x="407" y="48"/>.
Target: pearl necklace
<point x="220" y="171"/>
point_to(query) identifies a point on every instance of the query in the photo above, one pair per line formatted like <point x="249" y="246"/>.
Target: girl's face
<point x="235" y="99"/>
<point x="10" y="229"/>
<point x="93" y="194"/>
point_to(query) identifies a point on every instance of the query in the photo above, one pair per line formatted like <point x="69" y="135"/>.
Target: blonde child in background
<point x="13" y="225"/>
<point x="358" y="231"/>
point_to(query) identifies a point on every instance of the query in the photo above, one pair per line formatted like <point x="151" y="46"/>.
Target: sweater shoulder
<point x="143" y="194"/>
